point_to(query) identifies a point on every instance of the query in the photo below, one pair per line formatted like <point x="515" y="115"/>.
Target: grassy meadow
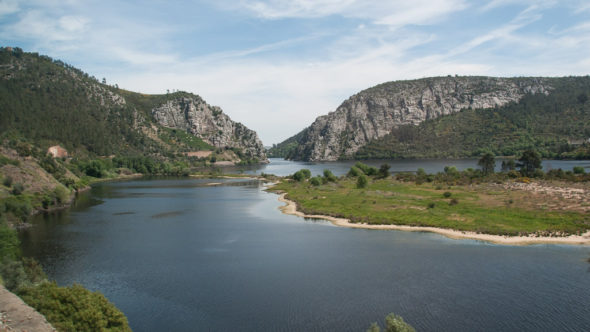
<point x="489" y="208"/>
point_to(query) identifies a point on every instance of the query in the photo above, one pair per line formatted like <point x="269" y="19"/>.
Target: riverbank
<point x="584" y="239"/>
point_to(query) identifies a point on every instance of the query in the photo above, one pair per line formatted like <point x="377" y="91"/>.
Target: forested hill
<point x="48" y="102"/>
<point x="449" y="117"/>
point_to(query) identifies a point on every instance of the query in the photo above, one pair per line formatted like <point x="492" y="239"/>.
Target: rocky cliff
<point x="210" y="124"/>
<point x="49" y="103"/>
<point x="375" y="112"/>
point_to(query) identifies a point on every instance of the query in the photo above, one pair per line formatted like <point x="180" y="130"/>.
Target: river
<point x="183" y="255"/>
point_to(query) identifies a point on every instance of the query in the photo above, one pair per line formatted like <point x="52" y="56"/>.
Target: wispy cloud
<point x="394" y="13"/>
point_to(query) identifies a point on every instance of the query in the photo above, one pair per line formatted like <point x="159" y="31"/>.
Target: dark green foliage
<point x="287" y="148"/>
<point x="7" y="161"/>
<point x="302" y="175"/>
<point x="17" y="189"/>
<point x="19" y="206"/>
<point x="579" y="170"/>
<point x="529" y="162"/>
<point x="508" y="165"/>
<point x="383" y="171"/>
<point x="431" y="205"/>
<point x="487" y="163"/>
<point x="354" y="171"/>
<point x="447" y="194"/>
<point x="545" y="122"/>
<point x="316" y="181"/>
<point x="362" y="182"/>
<point x="9" y="244"/>
<point x="329" y="176"/>
<point x="74" y="308"/>
<point x="7" y="181"/>
<point x="186" y="141"/>
<point x="454" y="201"/>
<point x="368" y="170"/>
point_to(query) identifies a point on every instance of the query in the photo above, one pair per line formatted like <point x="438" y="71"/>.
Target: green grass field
<point x="481" y="208"/>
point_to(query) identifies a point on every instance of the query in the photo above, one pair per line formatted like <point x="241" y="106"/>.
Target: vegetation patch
<point x="478" y="204"/>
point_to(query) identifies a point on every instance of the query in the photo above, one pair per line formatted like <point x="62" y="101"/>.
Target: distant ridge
<point x="448" y="117"/>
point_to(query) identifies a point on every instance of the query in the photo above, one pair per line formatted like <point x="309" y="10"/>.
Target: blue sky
<point x="276" y="65"/>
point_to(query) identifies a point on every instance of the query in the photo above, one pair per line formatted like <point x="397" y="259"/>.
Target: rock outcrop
<point x="210" y="124"/>
<point x="373" y="113"/>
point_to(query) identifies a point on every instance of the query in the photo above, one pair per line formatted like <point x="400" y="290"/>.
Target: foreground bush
<point x="74" y="308"/>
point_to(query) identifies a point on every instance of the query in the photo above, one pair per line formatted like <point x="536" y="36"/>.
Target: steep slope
<point x="49" y="103"/>
<point x="375" y="112"/>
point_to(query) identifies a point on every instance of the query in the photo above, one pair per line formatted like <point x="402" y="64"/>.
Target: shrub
<point x="447" y="194"/>
<point x="316" y="181"/>
<point x="301" y="175"/>
<point x="61" y="194"/>
<point x="577" y="170"/>
<point x="383" y="171"/>
<point x="8" y="181"/>
<point x="74" y="308"/>
<point x="368" y="170"/>
<point x="454" y="201"/>
<point x="18" y="189"/>
<point x="431" y="205"/>
<point x="362" y="182"/>
<point x="329" y="176"/>
<point x="353" y="172"/>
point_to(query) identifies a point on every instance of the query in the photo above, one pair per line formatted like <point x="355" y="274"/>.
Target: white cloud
<point x="37" y="25"/>
<point x="8" y="7"/>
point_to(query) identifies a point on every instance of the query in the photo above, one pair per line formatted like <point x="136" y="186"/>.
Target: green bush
<point x="74" y="308"/>
<point x="329" y="176"/>
<point x="19" y="206"/>
<point x="579" y="170"/>
<point x="362" y="182"/>
<point x="383" y="171"/>
<point x="18" y="188"/>
<point x="316" y="181"/>
<point x="8" y="181"/>
<point x="353" y="172"/>
<point x="61" y="194"/>
<point x="368" y="170"/>
<point x="302" y="175"/>
<point x="447" y="194"/>
<point x="454" y="201"/>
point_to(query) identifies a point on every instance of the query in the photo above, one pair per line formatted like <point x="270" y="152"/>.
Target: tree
<point x="508" y="165"/>
<point x="529" y="162"/>
<point x="487" y="163"/>
<point x="383" y="171"/>
<point x="362" y="182"/>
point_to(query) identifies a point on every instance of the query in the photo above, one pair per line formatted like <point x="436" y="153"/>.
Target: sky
<point x="276" y="65"/>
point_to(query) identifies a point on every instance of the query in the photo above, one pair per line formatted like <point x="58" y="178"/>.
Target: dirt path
<point x="15" y="315"/>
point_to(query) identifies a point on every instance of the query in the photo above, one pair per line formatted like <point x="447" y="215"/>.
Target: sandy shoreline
<point x="291" y="208"/>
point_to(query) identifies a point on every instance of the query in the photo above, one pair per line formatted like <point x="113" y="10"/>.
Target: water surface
<point x="177" y="255"/>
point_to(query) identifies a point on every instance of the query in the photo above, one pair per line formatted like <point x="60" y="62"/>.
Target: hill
<point x="451" y="117"/>
<point x="48" y="102"/>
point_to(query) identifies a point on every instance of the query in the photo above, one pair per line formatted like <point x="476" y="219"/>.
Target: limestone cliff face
<point x="374" y="112"/>
<point x="210" y="124"/>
